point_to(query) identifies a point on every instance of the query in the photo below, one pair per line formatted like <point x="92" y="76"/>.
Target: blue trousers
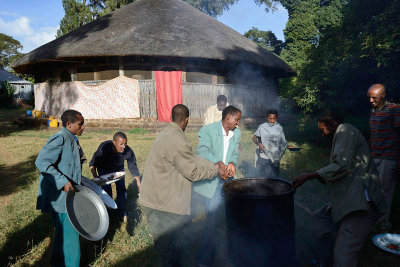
<point x="66" y="249"/>
<point x="214" y="235"/>
<point x="121" y="196"/>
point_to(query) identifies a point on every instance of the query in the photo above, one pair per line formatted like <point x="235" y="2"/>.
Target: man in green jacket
<point x="60" y="166"/>
<point x="356" y="197"/>
<point x="166" y="187"/>
<point x="218" y="141"/>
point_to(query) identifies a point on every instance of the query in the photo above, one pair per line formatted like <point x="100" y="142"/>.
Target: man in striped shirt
<point x="384" y="124"/>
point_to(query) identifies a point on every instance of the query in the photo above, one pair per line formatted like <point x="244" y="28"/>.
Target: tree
<point x="213" y="8"/>
<point x="310" y="21"/>
<point x="111" y="5"/>
<point x="77" y="14"/>
<point x="364" y="48"/>
<point x="6" y="94"/>
<point x="266" y="39"/>
<point x="9" y="50"/>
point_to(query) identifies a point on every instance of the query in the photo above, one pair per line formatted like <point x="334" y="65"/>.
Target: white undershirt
<point x="227" y="138"/>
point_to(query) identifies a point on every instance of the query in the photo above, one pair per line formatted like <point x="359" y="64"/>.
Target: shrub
<point x="6" y="94"/>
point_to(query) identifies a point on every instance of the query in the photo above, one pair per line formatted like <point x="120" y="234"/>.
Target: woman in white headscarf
<point x="271" y="145"/>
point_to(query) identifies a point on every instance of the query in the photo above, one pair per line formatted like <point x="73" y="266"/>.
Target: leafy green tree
<point x="289" y="5"/>
<point x="310" y="21"/>
<point x="9" y="50"/>
<point x="361" y="50"/>
<point x="77" y="14"/>
<point x="6" y="94"/>
<point x="111" y="5"/>
<point x="266" y="39"/>
<point x="213" y="8"/>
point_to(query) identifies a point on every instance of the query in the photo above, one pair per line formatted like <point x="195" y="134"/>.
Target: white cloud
<point x="44" y="35"/>
<point x="5" y="13"/>
<point x="30" y="37"/>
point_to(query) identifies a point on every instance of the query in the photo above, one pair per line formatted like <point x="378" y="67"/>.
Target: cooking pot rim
<point x="290" y="192"/>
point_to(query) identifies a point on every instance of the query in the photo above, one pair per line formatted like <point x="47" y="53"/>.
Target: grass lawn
<point x="26" y="234"/>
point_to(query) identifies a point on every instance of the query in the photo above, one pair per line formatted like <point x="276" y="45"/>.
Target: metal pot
<point x="260" y="222"/>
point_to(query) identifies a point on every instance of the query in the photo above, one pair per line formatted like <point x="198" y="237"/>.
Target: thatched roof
<point x="156" y="28"/>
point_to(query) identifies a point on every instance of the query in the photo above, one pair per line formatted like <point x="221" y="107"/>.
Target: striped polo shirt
<point x="385" y="131"/>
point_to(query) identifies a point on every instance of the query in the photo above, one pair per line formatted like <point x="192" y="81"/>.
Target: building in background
<point x="178" y="54"/>
<point x="23" y="88"/>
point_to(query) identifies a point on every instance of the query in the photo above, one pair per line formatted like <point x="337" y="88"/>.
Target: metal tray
<point x="383" y="241"/>
<point x="87" y="213"/>
<point x="104" y="179"/>
<point x="100" y="192"/>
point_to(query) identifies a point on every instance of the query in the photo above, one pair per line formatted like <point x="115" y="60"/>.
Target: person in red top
<point x="384" y="125"/>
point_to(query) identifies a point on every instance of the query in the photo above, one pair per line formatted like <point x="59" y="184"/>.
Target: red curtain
<point x="169" y="92"/>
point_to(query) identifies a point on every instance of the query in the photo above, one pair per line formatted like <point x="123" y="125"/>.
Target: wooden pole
<point x="214" y="79"/>
<point x="73" y="74"/>
<point x="121" y="67"/>
<point x="96" y="74"/>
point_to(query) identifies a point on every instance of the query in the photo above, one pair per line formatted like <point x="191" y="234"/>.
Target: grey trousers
<point x="388" y="175"/>
<point x="340" y="243"/>
<point x="170" y="236"/>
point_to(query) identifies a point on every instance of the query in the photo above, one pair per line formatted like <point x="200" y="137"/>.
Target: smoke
<point x="256" y="91"/>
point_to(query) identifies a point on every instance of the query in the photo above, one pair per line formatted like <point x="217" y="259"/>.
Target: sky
<point x="35" y="22"/>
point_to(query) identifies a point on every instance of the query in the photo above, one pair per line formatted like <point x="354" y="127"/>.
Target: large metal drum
<point x="260" y="222"/>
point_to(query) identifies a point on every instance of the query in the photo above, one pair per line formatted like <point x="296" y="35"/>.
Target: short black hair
<point x="272" y="112"/>
<point x="179" y="113"/>
<point x="119" y="135"/>
<point x="329" y="118"/>
<point x="230" y="110"/>
<point x="70" y="115"/>
<point x="222" y="98"/>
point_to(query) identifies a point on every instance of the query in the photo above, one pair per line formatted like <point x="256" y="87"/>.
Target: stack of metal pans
<point x="100" y="192"/>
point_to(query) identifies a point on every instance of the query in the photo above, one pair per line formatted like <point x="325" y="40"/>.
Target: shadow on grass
<point x="7" y="118"/>
<point x="146" y="257"/>
<point x="21" y="242"/>
<point x="13" y="177"/>
<point x="188" y="243"/>
<point x="18" y="244"/>
<point x="90" y="250"/>
<point x="134" y="212"/>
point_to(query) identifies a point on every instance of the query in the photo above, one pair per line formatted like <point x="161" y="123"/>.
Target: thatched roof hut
<point x="147" y="30"/>
<point x="166" y="35"/>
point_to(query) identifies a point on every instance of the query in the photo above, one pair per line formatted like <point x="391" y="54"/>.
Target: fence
<point x="253" y="101"/>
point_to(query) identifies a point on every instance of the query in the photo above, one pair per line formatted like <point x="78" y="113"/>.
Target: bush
<point x="6" y="94"/>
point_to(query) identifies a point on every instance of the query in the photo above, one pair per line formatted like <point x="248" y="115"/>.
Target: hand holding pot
<point x="68" y="186"/>
<point x="302" y="178"/>
<point x="222" y="170"/>
<point x="231" y="170"/>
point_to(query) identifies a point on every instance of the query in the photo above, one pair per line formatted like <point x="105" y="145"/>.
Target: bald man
<point x="166" y="187"/>
<point x="385" y="142"/>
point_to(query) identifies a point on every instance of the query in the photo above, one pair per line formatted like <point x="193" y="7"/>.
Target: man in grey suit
<point x="60" y="166"/>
